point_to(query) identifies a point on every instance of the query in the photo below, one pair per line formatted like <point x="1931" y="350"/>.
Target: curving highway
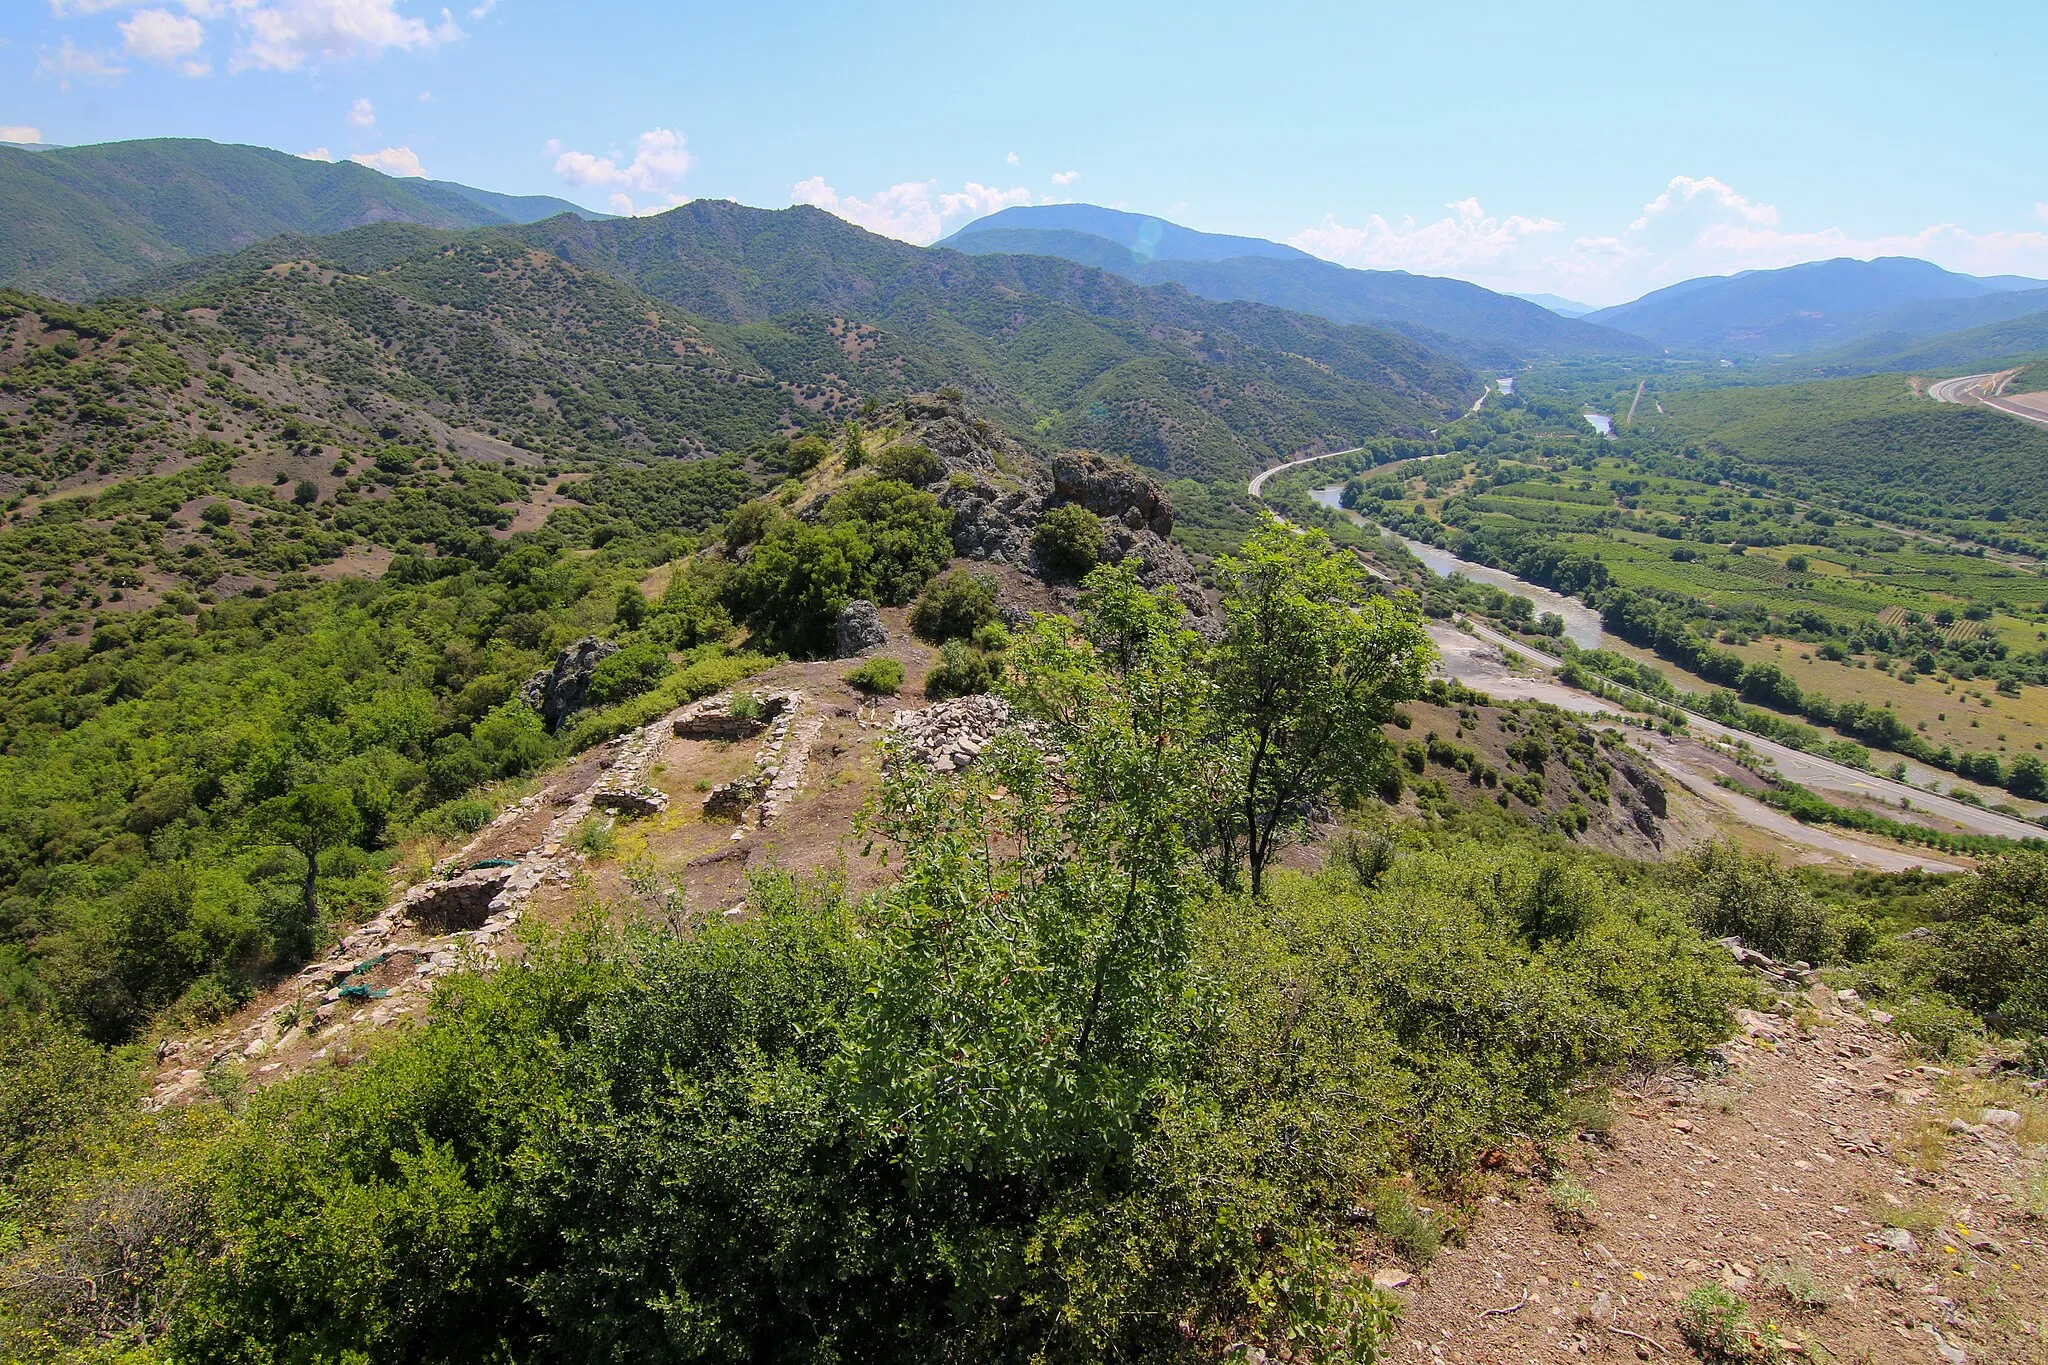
<point x="1985" y="390"/>
<point x="1808" y="769"/>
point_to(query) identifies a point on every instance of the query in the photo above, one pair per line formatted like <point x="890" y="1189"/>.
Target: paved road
<point x="1823" y="774"/>
<point x="1984" y="391"/>
<point x="1259" y="479"/>
<point x="1809" y="770"/>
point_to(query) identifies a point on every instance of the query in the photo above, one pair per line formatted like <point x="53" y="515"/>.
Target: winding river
<point x="1581" y="622"/>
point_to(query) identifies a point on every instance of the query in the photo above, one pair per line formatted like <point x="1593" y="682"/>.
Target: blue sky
<point x="1592" y="150"/>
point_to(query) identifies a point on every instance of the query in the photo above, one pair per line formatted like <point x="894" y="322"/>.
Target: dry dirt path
<point x="1783" y="1166"/>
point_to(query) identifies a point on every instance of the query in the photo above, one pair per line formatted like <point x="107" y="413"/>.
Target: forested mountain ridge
<point x="1454" y="316"/>
<point x="76" y="221"/>
<point x="1179" y="384"/>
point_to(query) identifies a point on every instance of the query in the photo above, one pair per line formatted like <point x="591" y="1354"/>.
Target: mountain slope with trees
<point x="1179" y="384"/>
<point x="1819" y="305"/>
<point x="76" y="221"/>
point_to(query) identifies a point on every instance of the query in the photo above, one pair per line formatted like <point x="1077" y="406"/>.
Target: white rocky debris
<point x="947" y="735"/>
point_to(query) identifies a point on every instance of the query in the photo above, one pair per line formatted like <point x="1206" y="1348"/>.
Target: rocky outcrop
<point x="1112" y="490"/>
<point x="996" y="491"/>
<point x="558" y="692"/>
<point x="858" y="630"/>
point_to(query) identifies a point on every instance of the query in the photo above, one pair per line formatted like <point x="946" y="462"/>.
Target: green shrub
<point x="879" y="539"/>
<point x="954" y="605"/>
<point x="1572" y="1205"/>
<point x="594" y="838"/>
<point x="911" y="464"/>
<point x="628" y="673"/>
<point x="1412" y="1231"/>
<point x="879" y="676"/>
<point x="1716" y="1325"/>
<point x="1070" y="539"/>
<point x="1755" y="898"/>
<point x="1938" y="1028"/>
<point x="962" y="671"/>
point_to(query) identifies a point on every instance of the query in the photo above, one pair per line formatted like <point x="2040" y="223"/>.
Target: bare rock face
<point x="859" y="630"/>
<point x="1112" y="489"/>
<point x="558" y="692"/>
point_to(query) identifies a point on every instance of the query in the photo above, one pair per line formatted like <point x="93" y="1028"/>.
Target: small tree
<point x="1309" y="668"/>
<point x="312" y="820"/>
<point x="1070" y="539"/>
<point x="953" y="606"/>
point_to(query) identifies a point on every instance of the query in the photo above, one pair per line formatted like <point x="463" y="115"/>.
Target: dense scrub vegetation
<point x="1054" y="1093"/>
<point x="154" y="777"/>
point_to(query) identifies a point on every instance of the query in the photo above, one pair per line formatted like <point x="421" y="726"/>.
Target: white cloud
<point x="270" y="35"/>
<point x="362" y="114"/>
<point x="19" y="132"/>
<point x="1470" y="239"/>
<point x="426" y="97"/>
<point x="317" y="154"/>
<point x="914" y="211"/>
<point x="399" y="161"/>
<point x="1065" y="177"/>
<point x="157" y="35"/>
<point x="483" y="11"/>
<point x="69" y="62"/>
<point x="1011" y="158"/>
<point x="661" y="159"/>
<point x="285" y="35"/>
<point x="1695" y="225"/>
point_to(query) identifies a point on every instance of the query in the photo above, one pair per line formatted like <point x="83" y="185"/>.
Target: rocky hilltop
<point x="998" y="491"/>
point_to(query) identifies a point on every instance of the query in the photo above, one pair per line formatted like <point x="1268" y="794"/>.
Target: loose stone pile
<point x="947" y="736"/>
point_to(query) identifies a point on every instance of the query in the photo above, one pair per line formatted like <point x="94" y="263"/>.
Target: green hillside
<point x="1987" y="346"/>
<point x="1874" y="441"/>
<point x="76" y="220"/>
<point x="1080" y="357"/>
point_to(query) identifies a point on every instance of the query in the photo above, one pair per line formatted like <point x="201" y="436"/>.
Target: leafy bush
<point x="912" y="464"/>
<point x="962" y="671"/>
<point x="1716" y="1325"/>
<point x="953" y="606"/>
<point x="879" y="539"/>
<point x="879" y="676"/>
<point x="1990" y="945"/>
<point x="1755" y="898"/>
<point x="627" y="673"/>
<point x="1572" y="1205"/>
<point x="1070" y="539"/>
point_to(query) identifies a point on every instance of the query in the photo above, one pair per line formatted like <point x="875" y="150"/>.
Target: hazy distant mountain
<point x="76" y="220"/>
<point x="1823" y="305"/>
<point x="1564" y="308"/>
<point x="2010" y="338"/>
<point x="1474" y="324"/>
<point x="1145" y="237"/>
